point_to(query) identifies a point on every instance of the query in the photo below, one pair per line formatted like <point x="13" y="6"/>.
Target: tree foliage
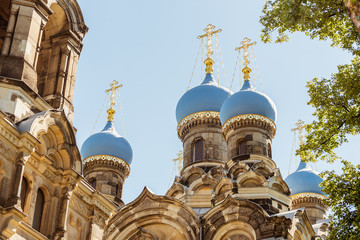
<point x="322" y="19"/>
<point x="337" y="110"/>
<point x="336" y="100"/>
<point x="344" y="200"/>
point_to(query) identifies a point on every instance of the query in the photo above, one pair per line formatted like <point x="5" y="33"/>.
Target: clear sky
<point x="150" y="47"/>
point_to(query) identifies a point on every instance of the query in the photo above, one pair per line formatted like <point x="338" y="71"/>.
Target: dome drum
<point x="197" y="119"/>
<point x="94" y="163"/>
<point x="248" y="120"/>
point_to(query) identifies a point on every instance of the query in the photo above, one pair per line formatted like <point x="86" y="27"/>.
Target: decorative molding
<point x="249" y="120"/>
<point x="9" y="136"/>
<point x="309" y="195"/>
<point x="298" y="200"/>
<point x="107" y="158"/>
<point x="187" y="122"/>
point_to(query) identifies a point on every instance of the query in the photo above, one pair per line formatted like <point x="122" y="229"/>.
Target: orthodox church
<point x="229" y="186"/>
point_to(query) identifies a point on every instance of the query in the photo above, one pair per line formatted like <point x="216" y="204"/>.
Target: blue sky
<point x="150" y="47"/>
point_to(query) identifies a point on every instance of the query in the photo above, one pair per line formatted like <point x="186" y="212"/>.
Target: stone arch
<point x="158" y="215"/>
<point x="56" y="136"/>
<point x="251" y="179"/>
<point x="203" y="185"/>
<point x="234" y="211"/>
<point x="30" y="192"/>
<point x="278" y="184"/>
<point x="191" y="175"/>
<point x="177" y="190"/>
<point x="236" y="230"/>
<point x="230" y="211"/>
<point x="59" y="44"/>
<point x="217" y="172"/>
<point x="223" y="186"/>
<point x="263" y="169"/>
<point x="237" y="169"/>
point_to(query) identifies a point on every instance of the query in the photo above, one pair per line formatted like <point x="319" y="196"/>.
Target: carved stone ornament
<point x="107" y="158"/>
<point x="249" y="120"/>
<point x="193" y="120"/>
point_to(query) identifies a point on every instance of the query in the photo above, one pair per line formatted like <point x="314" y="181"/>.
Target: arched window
<point x="269" y="150"/>
<point x="241" y="147"/>
<point x="118" y="190"/>
<point x="199" y="150"/>
<point x="92" y="181"/>
<point x="23" y="192"/>
<point x="39" y="207"/>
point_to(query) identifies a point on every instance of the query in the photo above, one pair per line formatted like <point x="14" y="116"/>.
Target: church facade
<point x="229" y="186"/>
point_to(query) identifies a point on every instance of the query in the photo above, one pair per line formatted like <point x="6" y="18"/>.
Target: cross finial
<point x="178" y="162"/>
<point x="245" y="45"/>
<point x="111" y="111"/>
<point x="209" y="32"/>
<point x="299" y="128"/>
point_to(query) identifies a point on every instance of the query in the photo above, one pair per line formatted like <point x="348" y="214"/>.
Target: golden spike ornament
<point x="111" y="111"/>
<point x="245" y="44"/>
<point x="209" y="62"/>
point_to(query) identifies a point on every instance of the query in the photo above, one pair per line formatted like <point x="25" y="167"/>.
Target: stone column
<point x="14" y="199"/>
<point x="9" y="31"/>
<point x="63" y="210"/>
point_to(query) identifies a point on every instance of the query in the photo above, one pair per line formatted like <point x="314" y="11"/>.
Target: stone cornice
<point x="308" y="194"/>
<point x="23" y="141"/>
<point x="301" y="198"/>
<point x="248" y="120"/>
<point x="197" y="119"/>
<point x="107" y="162"/>
<point x="262" y="192"/>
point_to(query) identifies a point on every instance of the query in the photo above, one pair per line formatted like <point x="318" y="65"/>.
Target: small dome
<point x="247" y="101"/>
<point x="107" y="142"/>
<point x="304" y="180"/>
<point x="208" y="96"/>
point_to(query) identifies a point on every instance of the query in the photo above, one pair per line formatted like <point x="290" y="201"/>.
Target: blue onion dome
<point x="107" y="142"/>
<point x="304" y="180"/>
<point x="248" y="101"/>
<point x="206" y="97"/>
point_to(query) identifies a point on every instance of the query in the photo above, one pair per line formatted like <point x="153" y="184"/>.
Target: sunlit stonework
<point x="229" y="186"/>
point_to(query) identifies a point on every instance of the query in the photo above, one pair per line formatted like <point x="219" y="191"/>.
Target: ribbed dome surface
<point x="208" y="96"/>
<point x="304" y="180"/>
<point x="247" y="101"/>
<point x="107" y="142"/>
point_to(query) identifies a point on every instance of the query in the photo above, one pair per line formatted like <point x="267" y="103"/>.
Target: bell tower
<point x="40" y="49"/>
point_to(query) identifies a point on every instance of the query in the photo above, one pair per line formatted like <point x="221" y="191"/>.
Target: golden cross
<point x="178" y="161"/>
<point x="299" y="128"/>
<point x="111" y="110"/>
<point x="209" y="32"/>
<point x="245" y="45"/>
